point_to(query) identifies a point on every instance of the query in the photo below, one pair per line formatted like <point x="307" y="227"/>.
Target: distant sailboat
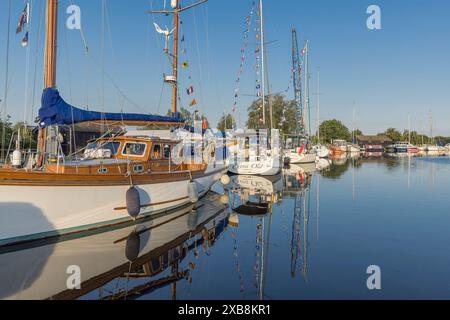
<point x="297" y="147"/>
<point x="321" y="150"/>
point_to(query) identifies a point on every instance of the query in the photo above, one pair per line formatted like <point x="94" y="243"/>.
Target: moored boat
<point x="321" y="151"/>
<point x="373" y="148"/>
<point x="298" y="150"/>
<point x="254" y="154"/>
<point x="115" y="180"/>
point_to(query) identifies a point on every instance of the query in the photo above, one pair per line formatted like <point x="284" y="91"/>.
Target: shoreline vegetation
<point x="284" y="115"/>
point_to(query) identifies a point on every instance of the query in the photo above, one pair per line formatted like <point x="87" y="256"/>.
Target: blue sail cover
<point x="55" y="111"/>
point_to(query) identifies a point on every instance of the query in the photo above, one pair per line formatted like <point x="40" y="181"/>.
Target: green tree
<point x="355" y="133"/>
<point x="284" y="115"/>
<point x="335" y="171"/>
<point x="26" y="135"/>
<point x="6" y="131"/>
<point x="393" y="134"/>
<point x="334" y="129"/>
<point x="227" y="121"/>
<point x="185" y="115"/>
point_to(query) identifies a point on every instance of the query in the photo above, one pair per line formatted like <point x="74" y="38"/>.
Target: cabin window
<point x="111" y="146"/>
<point x="138" y="169"/>
<point x="167" y="151"/>
<point x="134" y="149"/>
<point x="156" y="153"/>
<point x="102" y="170"/>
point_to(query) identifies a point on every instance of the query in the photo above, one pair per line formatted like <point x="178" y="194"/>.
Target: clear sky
<point x="383" y="74"/>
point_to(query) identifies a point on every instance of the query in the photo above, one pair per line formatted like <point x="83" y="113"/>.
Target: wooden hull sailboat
<point x="118" y="178"/>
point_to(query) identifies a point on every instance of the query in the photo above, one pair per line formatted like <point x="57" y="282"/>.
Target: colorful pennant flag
<point x="25" y="40"/>
<point x="185" y="65"/>
<point x="190" y="90"/>
<point x="193" y="103"/>
<point x="24" y="18"/>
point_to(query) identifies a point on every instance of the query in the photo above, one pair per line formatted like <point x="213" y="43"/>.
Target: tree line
<point x="8" y="130"/>
<point x="284" y="119"/>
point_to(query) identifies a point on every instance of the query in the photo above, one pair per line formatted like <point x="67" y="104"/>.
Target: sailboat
<point x="257" y="152"/>
<point x="353" y="147"/>
<point x="321" y="150"/>
<point x="432" y="148"/>
<point x="197" y="141"/>
<point x="118" y="179"/>
<point x="297" y="147"/>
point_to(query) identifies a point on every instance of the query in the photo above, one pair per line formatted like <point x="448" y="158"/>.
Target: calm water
<point x="311" y="235"/>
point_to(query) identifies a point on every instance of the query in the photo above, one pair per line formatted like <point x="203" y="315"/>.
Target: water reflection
<point x="309" y="233"/>
<point x="133" y="257"/>
<point x="255" y="195"/>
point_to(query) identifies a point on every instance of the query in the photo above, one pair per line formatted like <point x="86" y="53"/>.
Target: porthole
<point x="102" y="170"/>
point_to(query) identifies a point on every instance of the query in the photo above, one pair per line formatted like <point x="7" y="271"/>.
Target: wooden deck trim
<point x="154" y="204"/>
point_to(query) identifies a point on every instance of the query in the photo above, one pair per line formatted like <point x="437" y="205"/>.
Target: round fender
<point x="133" y="202"/>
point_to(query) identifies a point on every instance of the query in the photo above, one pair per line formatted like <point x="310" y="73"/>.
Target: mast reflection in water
<point x="305" y="234"/>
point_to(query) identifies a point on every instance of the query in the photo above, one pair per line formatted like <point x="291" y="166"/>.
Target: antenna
<point x="166" y="34"/>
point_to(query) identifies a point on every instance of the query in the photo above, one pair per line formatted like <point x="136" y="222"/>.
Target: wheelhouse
<point x="126" y="155"/>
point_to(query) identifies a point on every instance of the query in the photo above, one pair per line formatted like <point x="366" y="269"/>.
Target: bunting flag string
<point x="258" y="67"/>
<point x="193" y="103"/>
<point x="25" y="40"/>
<point x="247" y="24"/>
<point x="185" y="65"/>
<point x="24" y="18"/>
<point x="24" y="21"/>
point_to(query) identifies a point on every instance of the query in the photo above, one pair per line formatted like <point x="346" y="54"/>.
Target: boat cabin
<point x="126" y="154"/>
<point x="295" y="142"/>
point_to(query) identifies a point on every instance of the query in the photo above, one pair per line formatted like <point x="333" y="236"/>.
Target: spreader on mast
<point x="173" y="79"/>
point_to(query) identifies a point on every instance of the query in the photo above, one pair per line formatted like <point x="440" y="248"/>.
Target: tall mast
<point x="175" y="4"/>
<point x="176" y="22"/>
<point x="5" y="97"/>
<point x="318" y="106"/>
<point x="431" y="128"/>
<point x="263" y="84"/>
<point x="297" y="84"/>
<point x="307" y="107"/>
<point x="409" y="128"/>
<point x="49" y="66"/>
<point x="51" y="43"/>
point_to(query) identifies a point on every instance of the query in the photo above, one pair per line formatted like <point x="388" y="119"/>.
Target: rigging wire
<point x="5" y="97"/>
<point x="38" y="34"/>
<point x="86" y="66"/>
<point x="211" y="64"/>
<point x="163" y="61"/>
<point x="198" y="59"/>
<point x="27" y="69"/>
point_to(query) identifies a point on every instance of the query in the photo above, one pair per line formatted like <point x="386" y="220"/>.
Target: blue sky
<point x="384" y="74"/>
